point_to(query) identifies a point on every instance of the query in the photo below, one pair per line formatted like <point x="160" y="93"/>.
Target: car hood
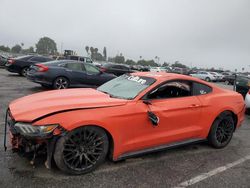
<point x="31" y="107"/>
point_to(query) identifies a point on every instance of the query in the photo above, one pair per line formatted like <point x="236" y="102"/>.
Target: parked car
<point x="247" y="102"/>
<point x="130" y="115"/>
<point x="79" y="58"/>
<point x="219" y="77"/>
<point x="207" y="76"/>
<point x="21" y="64"/>
<point x="3" y="60"/>
<point x="229" y="79"/>
<point x="62" y="74"/>
<point x="242" y="84"/>
<point x="116" y="69"/>
<point x="158" y="69"/>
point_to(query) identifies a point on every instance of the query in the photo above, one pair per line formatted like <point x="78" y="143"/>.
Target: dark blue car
<point x="62" y="74"/>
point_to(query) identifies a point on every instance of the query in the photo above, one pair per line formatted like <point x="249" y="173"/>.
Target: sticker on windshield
<point x="137" y="79"/>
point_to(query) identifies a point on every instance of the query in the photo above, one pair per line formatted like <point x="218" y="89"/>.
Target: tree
<point x="87" y="49"/>
<point x="119" y="58"/>
<point x="46" y="45"/>
<point x="4" y="48"/>
<point x="178" y="64"/>
<point x="28" y="50"/>
<point x="147" y="63"/>
<point x="130" y="62"/>
<point x="16" y="49"/>
<point x="165" y="64"/>
<point x="104" y="54"/>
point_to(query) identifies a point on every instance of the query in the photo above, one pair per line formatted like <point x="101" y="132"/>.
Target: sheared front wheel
<point x="81" y="150"/>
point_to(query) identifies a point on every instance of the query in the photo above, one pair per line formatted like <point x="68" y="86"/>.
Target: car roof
<point x="164" y="76"/>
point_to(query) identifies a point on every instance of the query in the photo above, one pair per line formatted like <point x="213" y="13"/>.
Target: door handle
<point x="194" y="106"/>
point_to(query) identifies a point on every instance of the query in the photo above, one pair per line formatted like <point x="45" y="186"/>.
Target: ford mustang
<point x="128" y="116"/>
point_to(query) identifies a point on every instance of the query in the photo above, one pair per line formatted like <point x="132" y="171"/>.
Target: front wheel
<point x="81" y="150"/>
<point x="221" y="131"/>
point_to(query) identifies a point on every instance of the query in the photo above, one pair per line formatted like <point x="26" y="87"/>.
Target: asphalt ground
<point x="196" y="165"/>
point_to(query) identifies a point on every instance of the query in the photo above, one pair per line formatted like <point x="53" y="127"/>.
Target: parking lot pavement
<point x="195" y="165"/>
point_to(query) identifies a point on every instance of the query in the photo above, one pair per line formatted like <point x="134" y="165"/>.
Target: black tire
<point x="24" y="71"/>
<point x="88" y="145"/>
<point x="221" y="131"/>
<point x="227" y="82"/>
<point x="61" y="83"/>
<point x="207" y="79"/>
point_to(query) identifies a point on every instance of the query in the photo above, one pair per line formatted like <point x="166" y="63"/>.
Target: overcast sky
<point x="205" y="33"/>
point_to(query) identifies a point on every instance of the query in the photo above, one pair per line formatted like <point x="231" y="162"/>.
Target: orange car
<point x="130" y="115"/>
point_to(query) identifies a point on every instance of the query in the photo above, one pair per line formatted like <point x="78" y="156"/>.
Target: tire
<point x="81" y="150"/>
<point x="227" y="82"/>
<point x="24" y="71"/>
<point x="61" y="83"/>
<point x="221" y="131"/>
<point x="207" y="79"/>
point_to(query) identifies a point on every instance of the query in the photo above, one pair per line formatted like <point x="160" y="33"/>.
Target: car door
<point x="94" y="76"/>
<point x="178" y="112"/>
<point x="76" y="73"/>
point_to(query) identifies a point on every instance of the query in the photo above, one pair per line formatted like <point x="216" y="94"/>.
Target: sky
<point x="203" y="33"/>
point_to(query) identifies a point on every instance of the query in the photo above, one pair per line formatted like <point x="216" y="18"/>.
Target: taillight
<point x="103" y="69"/>
<point x="11" y="61"/>
<point x="249" y="92"/>
<point x="42" y="68"/>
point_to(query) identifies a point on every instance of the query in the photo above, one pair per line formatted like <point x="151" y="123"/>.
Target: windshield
<point x="126" y="86"/>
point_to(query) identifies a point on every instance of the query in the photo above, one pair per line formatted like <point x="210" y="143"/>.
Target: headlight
<point x="30" y="130"/>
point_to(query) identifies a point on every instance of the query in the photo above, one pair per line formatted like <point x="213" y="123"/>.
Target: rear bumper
<point x="38" y="79"/>
<point x="241" y="117"/>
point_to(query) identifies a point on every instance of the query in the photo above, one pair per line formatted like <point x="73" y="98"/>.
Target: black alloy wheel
<point x="61" y="83"/>
<point x="224" y="131"/>
<point x="24" y="71"/>
<point x="82" y="150"/>
<point x="221" y="131"/>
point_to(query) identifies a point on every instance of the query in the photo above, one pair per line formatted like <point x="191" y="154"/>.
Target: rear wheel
<point x="221" y="131"/>
<point x="81" y="150"/>
<point x="24" y="71"/>
<point x="61" y="83"/>
<point x="227" y="82"/>
<point x="207" y="79"/>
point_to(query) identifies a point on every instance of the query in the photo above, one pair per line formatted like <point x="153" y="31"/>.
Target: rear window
<point x="201" y="89"/>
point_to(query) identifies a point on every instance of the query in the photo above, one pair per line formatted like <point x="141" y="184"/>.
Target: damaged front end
<point x="30" y="140"/>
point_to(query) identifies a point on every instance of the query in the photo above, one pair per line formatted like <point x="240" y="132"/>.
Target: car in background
<point x="242" y="84"/>
<point x="158" y="69"/>
<point x="61" y="74"/>
<point x="131" y="115"/>
<point x="3" y="60"/>
<point x="79" y="58"/>
<point x="207" y="76"/>
<point x="229" y="79"/>
<point x="116" y="69"/>
<point x="219" y="77"/>
<point x="21" y="64"/>
<point x="247" y="102"/>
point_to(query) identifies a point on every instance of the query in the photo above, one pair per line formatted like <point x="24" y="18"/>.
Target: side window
<point x="91" y="69"/>
<point x="74" y="66"/>
<point x="172" y="89"/>
<point x="201" y="89"/>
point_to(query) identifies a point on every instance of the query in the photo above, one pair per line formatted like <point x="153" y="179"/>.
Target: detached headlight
<point x="30" y="130"/>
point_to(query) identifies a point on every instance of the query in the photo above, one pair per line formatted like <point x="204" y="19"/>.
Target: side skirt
<point x="159" y="148"/>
